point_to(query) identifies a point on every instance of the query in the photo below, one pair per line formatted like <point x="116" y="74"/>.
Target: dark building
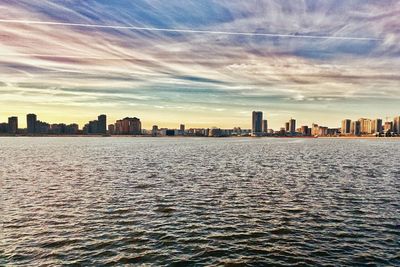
<point x="31" y="120"/>
<point x="257" y="123"/>
<point x="3" y="127"/>
<point x="305" y="131"/>
<point x="292" y="126"/>
<point x="42" y="127"/>
<point x="170" y="132"/>
<point x="111" y="129"/>
<point x="13" y="125"/>
<point x="102" y="124"/>
<point x="287" y="127"/>
<point x="154" y="131"/>
<point x="356" y="128"/>
<point x="265" y="126"/>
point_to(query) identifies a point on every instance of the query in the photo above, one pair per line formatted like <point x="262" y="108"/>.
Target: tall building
<point x="292" y="126"/>
<point x="31" y="120"/>
<point x="287" y="127"/>
<point x="376" y="126"/>
<point x="388" y="127"/>
<point x="305" y="131"/>
<point x="257" y="126"/>
<point x="314" y="129"/>
<point x="154" y="130"/>
<point x="102" y="124"/>
<point x="111" y="129"/>
<point x="396" y="125"/>
<point x="356" y="128"/>
<point x="3" y="127"/>
<point x="13" y="125"/>
<point x="128" y="126"/>
<point x="346" y="127"/>
<point x="182" y="127"/>
<point x="265" y="126"/>
<point x="365" y="126"/>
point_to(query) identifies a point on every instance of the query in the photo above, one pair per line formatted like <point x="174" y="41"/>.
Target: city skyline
<point x="202" y="61"/>
<point x="259" y="128"/>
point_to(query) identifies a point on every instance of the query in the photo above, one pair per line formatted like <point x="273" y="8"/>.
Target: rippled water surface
<point x="184" y="201"/>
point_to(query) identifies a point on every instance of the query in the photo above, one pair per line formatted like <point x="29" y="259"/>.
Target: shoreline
<point x="213" y="137"/>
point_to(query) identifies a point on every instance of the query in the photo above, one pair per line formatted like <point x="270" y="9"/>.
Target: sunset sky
<point x="200" y="62"/>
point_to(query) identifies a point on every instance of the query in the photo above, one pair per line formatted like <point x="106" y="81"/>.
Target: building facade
<point x="257" y="123"/>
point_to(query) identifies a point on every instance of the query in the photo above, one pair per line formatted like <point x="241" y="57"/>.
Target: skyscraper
<point x="396" y="125"/>
<point x="131" y="126"/>
<point x="346" y="127"/>
<point x="305" y="130"/>
<point x="356" y="128"/>
<point x="376" y="126"/>
<point x="365" y="126"/>
<point x="292" y="126"/>
<point x="257" y="126"/>
<point x="102" y="124"/>
<point x="12" y="125"/>
<point x="265" y="126"/>
<point x="31" y="120"/>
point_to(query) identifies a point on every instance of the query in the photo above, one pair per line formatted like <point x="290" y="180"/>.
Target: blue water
<point x="199" y="201"/>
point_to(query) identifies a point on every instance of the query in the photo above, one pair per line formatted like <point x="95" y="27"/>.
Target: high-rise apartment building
<point x="128" y="126"/>
<point x="376" y="126"/>
<point x="265" y="126"/>
<point x="257" y="122"/>
<point x="13" y="125"/>
<point x="102" y="124"/>
<point x="292" y="126"/>
<point x="396" y="125"/>
<point x="365" y="126"/>
<point x="31" y="121"/>
<point x="346" y="127"/>
<point x="356" y="127"/>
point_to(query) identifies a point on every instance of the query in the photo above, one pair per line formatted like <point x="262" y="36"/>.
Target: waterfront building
<point x="304" y="131"/>
<point x="128" y="126"/>
<point x="42" y="127"/>
<point x="388" y="127"/>
<point x="257" y="121"/>
<point x="314" y="129"/>
<point x="356" y="128"/>
<point x="376" y="126"/>
<point x="217" y="132"/>
<point x="346" y="127"/>
<point x="292" y="126"/>
<point x="287" y="127"/>
<point x="31" y="123"/>
<point x="322" y="131"/>
<point x="12" y="125"/>
<point x="396" y="125"/>
<point x="102" y="124"/>
<point x="72" y="129"/>
<point x="333" y="131"/>
<point x="365" y="126"/>
<point x="265" y="126"/>
<point x="154" y="131"/>
<point x="3" y="127"/>
<point x="111" y="129"/>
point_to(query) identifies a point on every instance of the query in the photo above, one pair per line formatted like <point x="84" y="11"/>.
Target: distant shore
<point x="180" y="136"/>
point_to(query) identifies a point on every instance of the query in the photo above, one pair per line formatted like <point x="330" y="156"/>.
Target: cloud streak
<point x="306" y="59"/>
<point x="121" y="27"/>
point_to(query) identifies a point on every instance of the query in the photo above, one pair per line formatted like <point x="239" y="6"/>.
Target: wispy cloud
<point x="121" y="27"/>
<point x="213" y="55"/>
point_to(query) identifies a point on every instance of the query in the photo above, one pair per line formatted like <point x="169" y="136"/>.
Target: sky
<point x="204" y="63"/>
